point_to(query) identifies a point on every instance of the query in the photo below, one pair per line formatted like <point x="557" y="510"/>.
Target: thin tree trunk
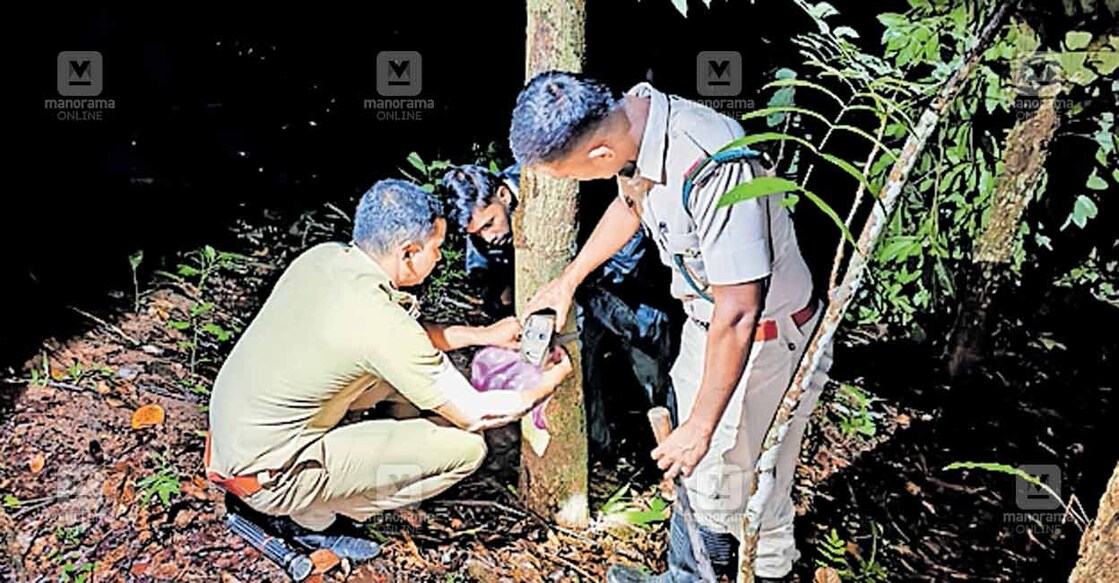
<point x="1027" y="147"/>
<point x="553" y="465"/>
<point x="1099" y="547"/>
<point x="841" y="297"/>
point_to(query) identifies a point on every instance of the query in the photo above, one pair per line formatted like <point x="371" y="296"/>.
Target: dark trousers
<point x="637" y="333"/>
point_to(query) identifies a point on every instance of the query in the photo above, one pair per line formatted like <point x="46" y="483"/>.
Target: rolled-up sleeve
<point x="733" y="240"/>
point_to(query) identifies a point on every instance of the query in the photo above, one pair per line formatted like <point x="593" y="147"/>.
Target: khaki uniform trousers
<point x="720" y="484"/>
<point x="364" y="468"/>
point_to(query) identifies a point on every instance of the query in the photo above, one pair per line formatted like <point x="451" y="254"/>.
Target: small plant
<point x="855" y="417"/>
<point x="69" y="536"/>
<point x="80" y="572"/>
<point x="205" y="262"/>
<point x="162" y="484"/>
<point x="621" y="508"/>
<point x="134" y="261"/>
<point x="834" y="551"/>
<point x="427" y="176"/>
<point x="10" y="501"/>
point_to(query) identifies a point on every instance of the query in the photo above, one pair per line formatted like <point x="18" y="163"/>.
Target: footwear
<point x="346" y="547"/>
<point x="627" y="574"/>
<point x="343" y="538"/>
<point x="722" y="549"/>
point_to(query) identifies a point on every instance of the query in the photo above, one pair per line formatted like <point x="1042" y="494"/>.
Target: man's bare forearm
<point x="729" y="341"/>
<point x="448" y="338"/>
<point x="613" y="231"/>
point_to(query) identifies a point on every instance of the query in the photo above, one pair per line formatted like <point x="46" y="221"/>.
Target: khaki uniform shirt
<point x="333" y="330"/>
<point x="744" y="242"/>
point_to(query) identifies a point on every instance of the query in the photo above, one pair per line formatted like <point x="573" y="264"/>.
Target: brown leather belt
<point x="240" y="486"/>
<point x="767" y="329"/>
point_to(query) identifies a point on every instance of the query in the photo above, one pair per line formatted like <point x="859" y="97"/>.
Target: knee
<point x="468" y="451"/>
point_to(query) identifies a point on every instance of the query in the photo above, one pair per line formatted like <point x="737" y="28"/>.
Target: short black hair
<point x="468" y="187"/>
<point x="553" y="111"/>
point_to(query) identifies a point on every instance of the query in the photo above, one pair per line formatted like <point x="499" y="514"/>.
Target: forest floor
<point x="89" y="496"/>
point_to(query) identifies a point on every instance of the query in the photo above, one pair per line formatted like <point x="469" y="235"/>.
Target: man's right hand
<point x="556" y="295"/>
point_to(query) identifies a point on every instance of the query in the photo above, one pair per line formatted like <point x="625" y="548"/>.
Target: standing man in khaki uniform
<point x="737" y="269"/>
<point x="337" y="335"/>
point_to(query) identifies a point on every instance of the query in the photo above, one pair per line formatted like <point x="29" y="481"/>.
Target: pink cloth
<point x="501" y="369"/>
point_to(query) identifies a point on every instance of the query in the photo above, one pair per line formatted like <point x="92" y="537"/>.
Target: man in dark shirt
<point x="615" y="305"/>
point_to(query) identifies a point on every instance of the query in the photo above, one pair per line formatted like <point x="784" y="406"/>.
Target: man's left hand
<point x="505" y="333"/>
<point x="682" y="451"/>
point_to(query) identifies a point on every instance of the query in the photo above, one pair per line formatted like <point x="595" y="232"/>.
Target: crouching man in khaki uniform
<point x="337" y="335"/>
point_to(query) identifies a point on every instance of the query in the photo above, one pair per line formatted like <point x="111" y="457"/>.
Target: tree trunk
<point x="1027" y="147"/>
<point x="553" y="464"/>
<point x="1099" y="547"/>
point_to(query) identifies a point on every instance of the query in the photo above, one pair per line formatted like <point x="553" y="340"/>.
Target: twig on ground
<point x="42" y="383"/>
<point x="106" y="325"/>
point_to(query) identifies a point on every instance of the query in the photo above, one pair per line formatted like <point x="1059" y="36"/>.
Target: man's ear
<point x="505" y="195"/>
<point x="601" y="152"/>
<point x="409" y="250"/>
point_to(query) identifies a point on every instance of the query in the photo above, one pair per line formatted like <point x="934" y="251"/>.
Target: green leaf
<point x="1082" y="210"/>
<point x="768" y="137"/>
<point x="1095" y="182"/>
<point x="1077" y="39"/>
<point x="781" y="97"/>
<point x="417" y="162"/>
<point x="135" y="259"/>
<point x="784" y="73"/>
<point x="892" y="19"/>
<point x="188" y="271"/>
<point x="846" y="32"/>
<point x="822" y="10"/>
<point x="178" y="324"/>
<point x="759" y="186"/>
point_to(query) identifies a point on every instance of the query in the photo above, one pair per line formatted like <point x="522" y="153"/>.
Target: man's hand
<point x="505" y="333"/>
<point x="556" y="295"/>
<point x="682" y="451"/>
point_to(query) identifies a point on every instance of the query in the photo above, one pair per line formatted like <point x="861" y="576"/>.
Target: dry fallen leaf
<point x="103" y="388"/>
<point x="147" y="416"/>
<point x="36" y="464"/>
<point x="324" y="560"/>
<point x="826" y="575"/>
